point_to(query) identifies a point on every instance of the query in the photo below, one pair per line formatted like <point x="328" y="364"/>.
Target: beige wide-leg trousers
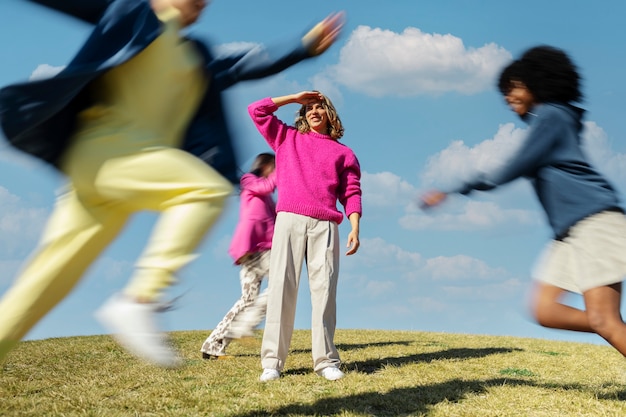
<point x="297" y="238"/>
<point x="105" y="190"/>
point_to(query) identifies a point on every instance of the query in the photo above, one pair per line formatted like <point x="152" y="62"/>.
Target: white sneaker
<point x="134" y="326"/>
<point x="332" y="373"/>
<point x="269" y="375"/>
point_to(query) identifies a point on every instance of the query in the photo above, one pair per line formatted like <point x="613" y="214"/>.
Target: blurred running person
<point x="587" y="254"/>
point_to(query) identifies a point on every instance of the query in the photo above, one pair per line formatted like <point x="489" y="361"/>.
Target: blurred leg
<point x="603" y="312"/>
<point x="132" y="318"/>
<point x="549" y="311"/>
<point x="190" y="196"/>
<point x="177" y="234"/>
<point x="74" y="237"/>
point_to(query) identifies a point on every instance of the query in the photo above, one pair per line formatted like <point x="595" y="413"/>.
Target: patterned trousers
<point x="247" y="312"/>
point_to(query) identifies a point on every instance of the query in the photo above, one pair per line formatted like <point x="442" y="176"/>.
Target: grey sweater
<point x="568" y="187"/>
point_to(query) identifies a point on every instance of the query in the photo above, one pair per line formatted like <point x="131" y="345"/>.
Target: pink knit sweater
<point x="313" y="171"/>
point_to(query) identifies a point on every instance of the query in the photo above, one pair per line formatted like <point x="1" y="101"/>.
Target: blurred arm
<point x="89" y="11"/>
<point x="262" y="61"/>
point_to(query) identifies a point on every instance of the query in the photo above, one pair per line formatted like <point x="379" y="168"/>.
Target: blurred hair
<point x="335" y="128"/>
<point x="548" y="73"/>
<point x="261" y="161"/>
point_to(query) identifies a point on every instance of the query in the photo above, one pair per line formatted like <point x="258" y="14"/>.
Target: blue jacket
<point x="568" y="187"/>
<point x="38" y="117"/>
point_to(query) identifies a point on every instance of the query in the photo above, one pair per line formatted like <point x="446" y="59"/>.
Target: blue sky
<point x="413" y="82"/>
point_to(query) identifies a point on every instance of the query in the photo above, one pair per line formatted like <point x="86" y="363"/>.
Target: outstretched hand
<point x="324" y="34"/>
<point x="432" y="198"/>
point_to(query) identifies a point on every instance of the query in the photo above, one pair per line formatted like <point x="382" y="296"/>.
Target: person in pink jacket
<point x="314" y="172"/>
<point x="250" y="249"/>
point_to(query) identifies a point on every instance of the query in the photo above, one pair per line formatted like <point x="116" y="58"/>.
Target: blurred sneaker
<point x="332" y="373"/>
<point x="269" y="375"/>
<point x="134" y="327"/>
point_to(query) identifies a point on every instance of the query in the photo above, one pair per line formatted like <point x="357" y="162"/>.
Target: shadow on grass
<point x="397" y="402"/>
<point x="355" y="346"/>
<point x="374" y="365"/>
<point x="617" y="395"/>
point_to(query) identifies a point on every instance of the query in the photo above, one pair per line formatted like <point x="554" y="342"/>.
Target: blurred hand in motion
<point x="324" y="34"/>
<point x="431" y="199"/>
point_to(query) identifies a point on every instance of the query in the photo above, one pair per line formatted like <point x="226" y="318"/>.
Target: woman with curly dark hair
<point x="586" y="255"/>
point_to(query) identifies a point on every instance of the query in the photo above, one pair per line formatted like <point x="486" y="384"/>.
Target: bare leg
<point x="549" y="311"/>
<point x="603" y="312"/>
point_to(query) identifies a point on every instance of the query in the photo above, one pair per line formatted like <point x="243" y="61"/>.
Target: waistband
<point x="615" y="209"/>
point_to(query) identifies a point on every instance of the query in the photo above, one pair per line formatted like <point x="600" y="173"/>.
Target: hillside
<point x="389" y="373"/>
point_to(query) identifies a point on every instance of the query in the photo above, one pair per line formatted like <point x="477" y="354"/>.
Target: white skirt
<point x="592" y="255"/>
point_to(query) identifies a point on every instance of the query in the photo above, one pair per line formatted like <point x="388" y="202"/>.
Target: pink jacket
<point x="257" y="215"/>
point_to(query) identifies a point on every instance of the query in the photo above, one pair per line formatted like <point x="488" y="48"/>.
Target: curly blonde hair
<point x="335" y="128"/>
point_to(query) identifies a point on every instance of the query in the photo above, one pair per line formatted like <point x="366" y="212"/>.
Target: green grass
<point x="388" y="373"/>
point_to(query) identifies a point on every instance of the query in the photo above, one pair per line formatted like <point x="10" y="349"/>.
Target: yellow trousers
<point x="105" y="191"/>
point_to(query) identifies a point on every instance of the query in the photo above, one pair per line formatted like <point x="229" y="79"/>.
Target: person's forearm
<point x="282" y="100"/>
<point x="355" y="220"/>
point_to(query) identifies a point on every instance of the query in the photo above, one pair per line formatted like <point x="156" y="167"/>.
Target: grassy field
<point x="389" y="373"/>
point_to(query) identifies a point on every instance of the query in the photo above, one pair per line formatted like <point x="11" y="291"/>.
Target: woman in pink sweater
<point x="314" y="171"/>
<point x="250" y="249"/>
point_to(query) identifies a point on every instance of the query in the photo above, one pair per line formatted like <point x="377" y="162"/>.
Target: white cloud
<point x="459" y="162"/>
<point x="376" y="288"/>
<point x="461" y="267"/>
<point x="377" y="254"/>
<point x="381" y="62"/>
<point x="469" y="216"/>
<point x="445" y="170"/>
<point x="385" y="189"/>
<point x="597" y="145"/>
